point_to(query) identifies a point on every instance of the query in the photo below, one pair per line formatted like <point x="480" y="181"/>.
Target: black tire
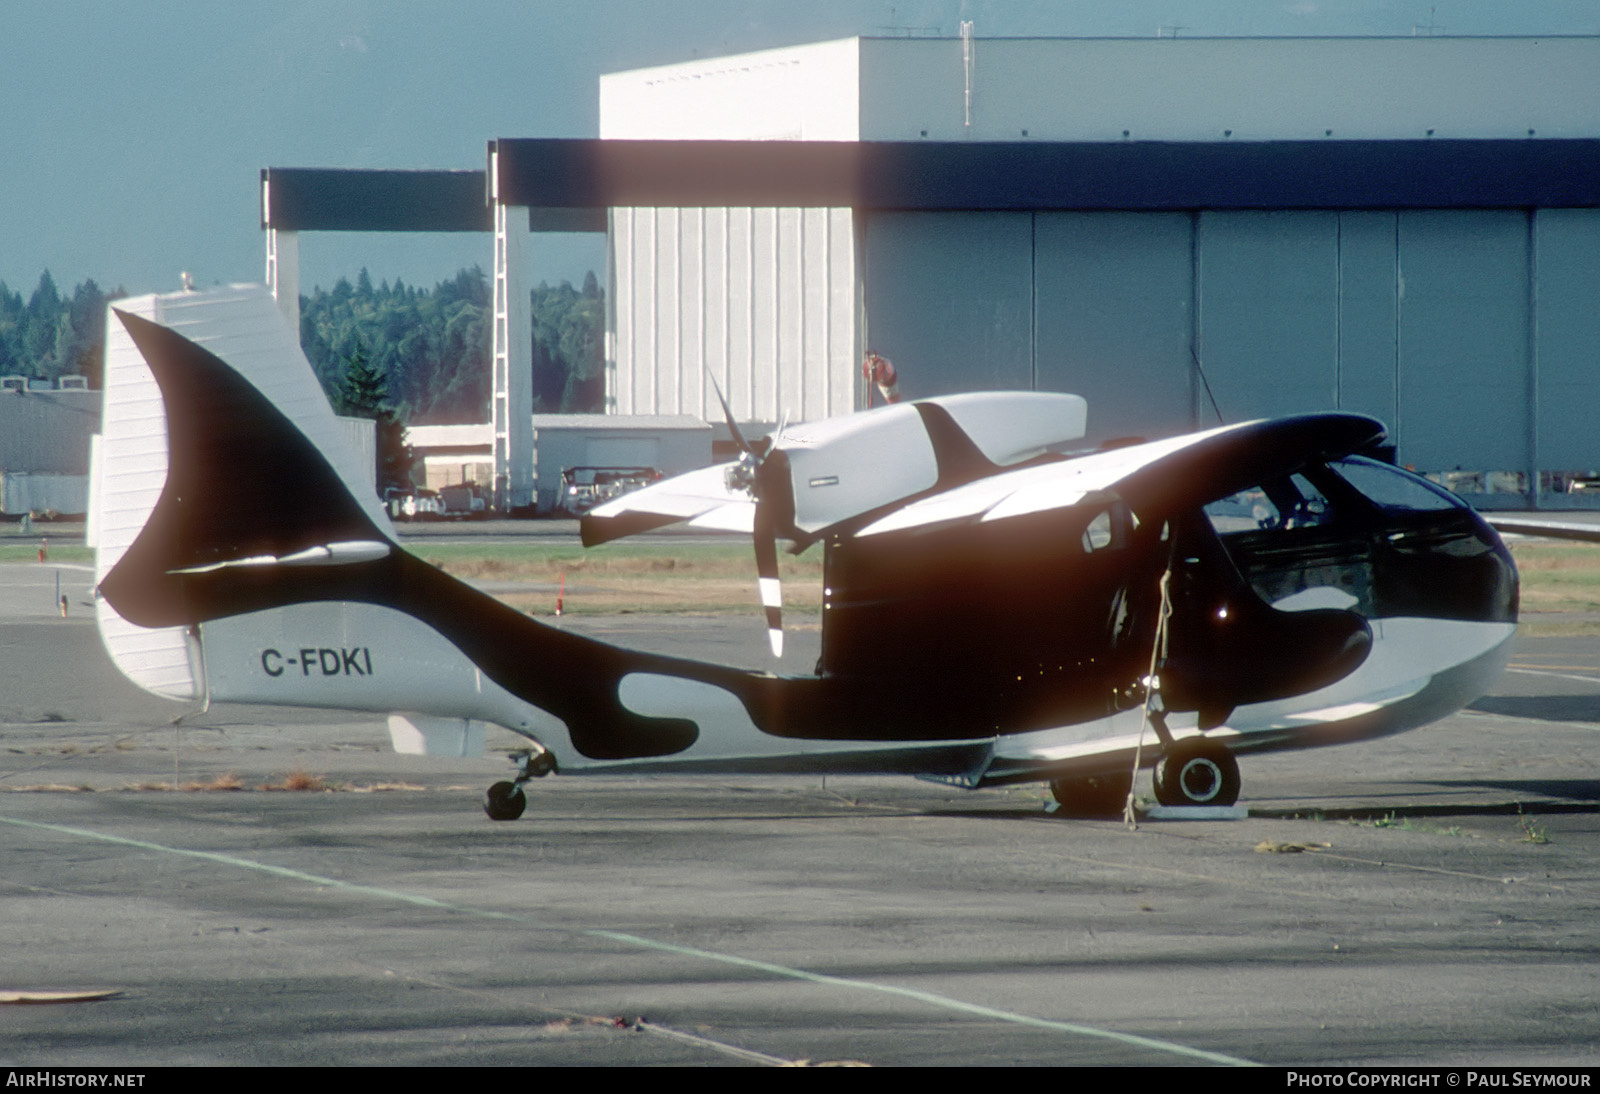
<point x="1197" y="771"/>
<point x="1092" y="795"/>
<point x="505" y="801"/>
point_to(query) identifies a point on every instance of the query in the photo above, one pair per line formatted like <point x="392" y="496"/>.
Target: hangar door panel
<point x="1463" y="340"/>
<point x="950" y="300"/>
<point x="1367" y="315"/>
<point x="1567" y="258"/>
<point x="1114" y="318"/>
<point x="1269" y="316"/>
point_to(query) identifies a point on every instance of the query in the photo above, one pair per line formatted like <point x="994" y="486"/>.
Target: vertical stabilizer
<point x="243" y="325"/>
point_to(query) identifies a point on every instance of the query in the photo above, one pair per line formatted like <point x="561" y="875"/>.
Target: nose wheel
<point x="505" y="801"/>
<point x="1197" y="771"/>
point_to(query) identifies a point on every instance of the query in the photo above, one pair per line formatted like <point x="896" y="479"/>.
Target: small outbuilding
<point x="44" y="444"/>
<point x="610" y="444"/>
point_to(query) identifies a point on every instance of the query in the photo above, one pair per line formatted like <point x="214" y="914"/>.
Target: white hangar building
<point x="1408" y="228"/>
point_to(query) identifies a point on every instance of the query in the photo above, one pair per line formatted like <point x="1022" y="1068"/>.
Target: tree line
<point x="425" y="353"/>
<point x="431" y="349"/>
<point x="53" y="335"/>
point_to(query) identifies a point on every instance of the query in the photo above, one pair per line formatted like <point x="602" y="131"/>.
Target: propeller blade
<point x="727" y="414"/>
<point x="766" y="543"/>
<point x="762" y="532"/>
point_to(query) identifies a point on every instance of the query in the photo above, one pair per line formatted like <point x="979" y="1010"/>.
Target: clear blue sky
<point x="132" y="134"/>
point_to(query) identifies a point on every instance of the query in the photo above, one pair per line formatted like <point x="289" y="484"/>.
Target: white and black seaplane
<point x="998" y="606"/>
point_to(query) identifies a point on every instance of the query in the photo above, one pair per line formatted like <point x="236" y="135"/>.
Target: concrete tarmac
<point x="1425" y="899"/>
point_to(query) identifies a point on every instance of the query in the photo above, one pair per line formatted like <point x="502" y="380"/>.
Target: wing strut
<point x="1154" y="717"/>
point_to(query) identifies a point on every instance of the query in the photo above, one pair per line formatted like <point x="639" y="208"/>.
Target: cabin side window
<point x="1279" y="506"/>
<point x="1110" y="529"/>
<point x="1297" y="548"/>
<point x="1391" y="488"/>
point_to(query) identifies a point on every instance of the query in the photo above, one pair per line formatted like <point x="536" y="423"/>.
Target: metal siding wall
<point x="646" y="317"/>
<point x="1464" y="375"/>
<point x="1367" y="315"/>
<point x="714" y="344"/>
<point x="814" y="325"/>
<point x="619" y="369"/>
<point x="764" y="316"/>
<point x="763" y="298"/>
<point x="1567" y="303"/>
<point x="789" y="273"/>
<point x="844" y="336"/>
<point x="1114" y="318"/>
<point x="685" y="396"/>
<point x="39" y="491"/>
<point x="950" y="297"/>
<point x="741" y="310"/>
<point x="1269" y="311"/>
<point x="1419" y="318"/>
<point x="668" y="313"/>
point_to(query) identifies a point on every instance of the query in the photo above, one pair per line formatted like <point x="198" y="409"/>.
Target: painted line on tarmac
<point x="933" y="999"/>
<point x="1557" y="675"/>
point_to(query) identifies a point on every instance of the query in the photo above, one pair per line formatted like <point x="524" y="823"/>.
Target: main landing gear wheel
<point x="1092" y="795"/>
<point x="1197" y="771"/>
<point x="505" y="801"/>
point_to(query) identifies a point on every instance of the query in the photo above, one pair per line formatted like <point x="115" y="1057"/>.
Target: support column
<point x="283" y="274"/>
<point x="511" y="405"/>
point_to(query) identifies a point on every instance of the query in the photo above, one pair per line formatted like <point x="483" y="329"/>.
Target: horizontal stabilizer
<point x="333" y="554"/>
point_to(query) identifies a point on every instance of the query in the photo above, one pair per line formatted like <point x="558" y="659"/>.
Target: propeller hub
<point x="742" y="475"/>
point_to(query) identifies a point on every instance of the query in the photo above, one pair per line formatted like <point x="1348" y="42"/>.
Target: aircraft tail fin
<point x="243" y="556"/>
<point x="152" y="523"/>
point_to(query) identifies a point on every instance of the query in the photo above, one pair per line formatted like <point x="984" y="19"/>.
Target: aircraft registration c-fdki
<point x="997" y="608"/>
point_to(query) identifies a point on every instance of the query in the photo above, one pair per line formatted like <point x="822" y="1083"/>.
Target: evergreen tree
<point x="363" y="391"/>
<point x="432" y="348"/>
<point x="87" y="316"/>
<point x="396" y="460"/>
<point x="41" y="327"/>
<point x="12" y="317"/>
<point x="54" y="335"/>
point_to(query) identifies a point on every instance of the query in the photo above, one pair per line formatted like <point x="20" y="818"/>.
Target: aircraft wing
<point x="1524" y="525"/>
<point x="703" y="498"/>
<point x="1192" y="469"/>
<point x="837" y="469"/>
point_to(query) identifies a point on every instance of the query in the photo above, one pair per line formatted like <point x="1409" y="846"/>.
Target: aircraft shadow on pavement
<point x="1548" y="708"/>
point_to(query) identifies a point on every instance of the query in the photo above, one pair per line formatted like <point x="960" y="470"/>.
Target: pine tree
<point x="363" y="391"/>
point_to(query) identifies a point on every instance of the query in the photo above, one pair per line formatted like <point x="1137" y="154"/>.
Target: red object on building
<point x="881" y="371"/>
